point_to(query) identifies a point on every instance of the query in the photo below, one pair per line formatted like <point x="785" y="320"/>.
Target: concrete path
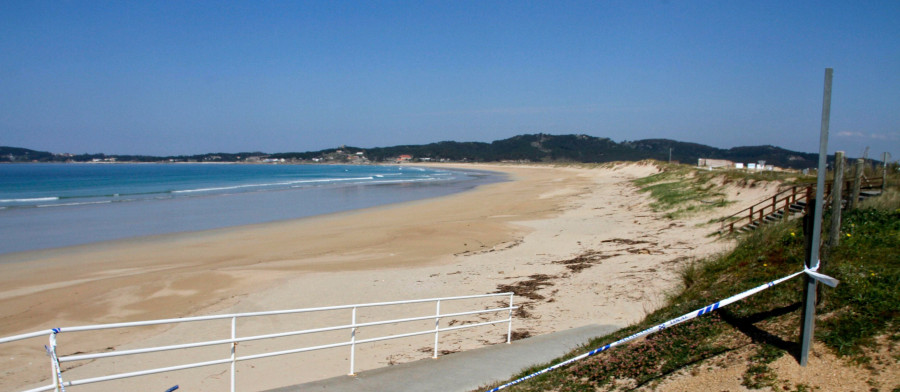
<point x="463" y="371"/>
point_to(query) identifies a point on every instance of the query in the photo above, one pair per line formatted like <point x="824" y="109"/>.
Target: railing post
<point x="751" y="216"/>
<point x="233" y="349"/>
<point x="437" y="321"/>
<point x="51" y="349"/>
<point x="509" y="328"/>
<point x="353" y="341"/>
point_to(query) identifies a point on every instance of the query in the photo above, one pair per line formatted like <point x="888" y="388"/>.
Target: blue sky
<point x="182" y="77"/>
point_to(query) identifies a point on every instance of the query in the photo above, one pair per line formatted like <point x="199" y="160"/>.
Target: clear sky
<point x="184" y="77"/>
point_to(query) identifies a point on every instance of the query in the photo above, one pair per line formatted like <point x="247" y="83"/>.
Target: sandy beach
<point x="582" y="238"/>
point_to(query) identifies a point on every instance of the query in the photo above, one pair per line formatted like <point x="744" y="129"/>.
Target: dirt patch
<point x="519" y="334"/>
<point x="528" y="288"/>
<point x="430" y="350"/>
<point x="584" y="261"/>
<point x="627" y="241"/>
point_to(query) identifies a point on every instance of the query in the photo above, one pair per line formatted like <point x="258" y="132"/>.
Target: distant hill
<point x="534" y="148"/>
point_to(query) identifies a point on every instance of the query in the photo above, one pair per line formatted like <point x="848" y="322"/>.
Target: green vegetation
<point x="869" y="269"/>
<point x="681" y="190"/>
<point x="851" y="318"/>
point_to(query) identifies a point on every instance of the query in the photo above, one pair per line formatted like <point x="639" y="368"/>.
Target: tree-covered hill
<point x="533" y="147"/>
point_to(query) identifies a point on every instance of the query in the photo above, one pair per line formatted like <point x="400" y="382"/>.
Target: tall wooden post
<point x="837" y="196"/>
<point x="884" y="172"/>
<point x="857" y="181"/>
<point x="809" y="295"/>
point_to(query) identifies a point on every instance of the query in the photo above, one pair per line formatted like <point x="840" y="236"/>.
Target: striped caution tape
<point x="825" y="279"/>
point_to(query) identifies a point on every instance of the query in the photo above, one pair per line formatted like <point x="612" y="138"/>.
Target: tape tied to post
<point x="824" y="279"/>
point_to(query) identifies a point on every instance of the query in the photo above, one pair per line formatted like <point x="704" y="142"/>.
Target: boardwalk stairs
<point x="790" y="203"/>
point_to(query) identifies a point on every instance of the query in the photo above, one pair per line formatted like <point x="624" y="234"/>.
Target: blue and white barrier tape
<point x="827" y="280"/>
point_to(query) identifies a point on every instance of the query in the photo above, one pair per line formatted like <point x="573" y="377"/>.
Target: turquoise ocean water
<point x="53" y="205"/>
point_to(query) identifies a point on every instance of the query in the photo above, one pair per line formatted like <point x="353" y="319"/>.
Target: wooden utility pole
<point x="857" y="181"/>
<point x="884" y="172"/>
<point x="837" y="197"/>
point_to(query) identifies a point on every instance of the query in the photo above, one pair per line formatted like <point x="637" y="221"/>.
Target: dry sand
<point x="581" y="243"/>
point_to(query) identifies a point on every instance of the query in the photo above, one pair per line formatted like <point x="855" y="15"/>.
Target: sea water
<point x="53" y="205"/>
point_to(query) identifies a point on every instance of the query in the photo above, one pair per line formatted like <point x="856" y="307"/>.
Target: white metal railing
<point x="58" y="382"/>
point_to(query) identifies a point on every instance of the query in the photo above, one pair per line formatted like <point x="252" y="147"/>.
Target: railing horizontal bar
<point x="29" y="335"/>
<point x="476" y="325"/>
<point x="429" y="331"/>
<point x="431" y="317"/>
<point x="83" y="357"/>
<point x="255" y="314"/>
<point x="293" y="351"/>
<point x="398" y="336"/>
<point x="370" y="340"/>
<point x="48" y="387"/>
<point x="146" y="372"/>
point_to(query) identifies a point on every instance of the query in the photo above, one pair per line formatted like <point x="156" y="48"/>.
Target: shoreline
<point x="582" y="237"/>
<point x="49" y="271"/>
<point x="162" y="206"/>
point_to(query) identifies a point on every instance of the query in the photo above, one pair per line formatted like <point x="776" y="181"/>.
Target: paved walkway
<point x="463" y="371"/>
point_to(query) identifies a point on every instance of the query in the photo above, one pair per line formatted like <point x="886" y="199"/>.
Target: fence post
<point x="352" y="341"/>
<point x="857" y="180"/>
<point x="809" y="297"/>
<point x="809" y="199"/>
<point x="884" y="171"/>
<point x="509" y="328"/>
<point x="837" y="196"/>
<point x="437" y="323"/>
<point x="233" y="347"/>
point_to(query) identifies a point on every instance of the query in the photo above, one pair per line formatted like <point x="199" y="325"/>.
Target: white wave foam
<point x="36" y="199"/>
<point x="286" y="183"/>
<point x="74" y="204"/>
<point x="404" y="181"/>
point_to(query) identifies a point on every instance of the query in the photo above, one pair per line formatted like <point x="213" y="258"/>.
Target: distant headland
<point x="523" y="148"/>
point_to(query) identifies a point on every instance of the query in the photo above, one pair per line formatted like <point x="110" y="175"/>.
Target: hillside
<point x="532" y="148"/>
